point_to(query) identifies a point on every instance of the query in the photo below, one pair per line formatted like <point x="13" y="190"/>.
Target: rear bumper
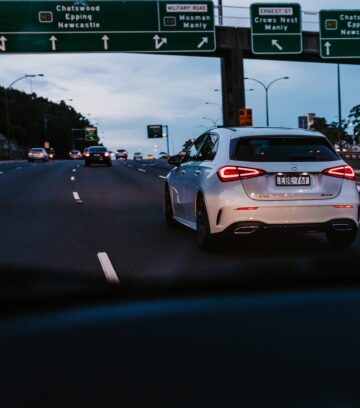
<point x="249" y="227"/>
<point x="284" y="214"/>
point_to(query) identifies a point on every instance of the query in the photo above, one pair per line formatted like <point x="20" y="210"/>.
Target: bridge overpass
<point x="234" y="45"/>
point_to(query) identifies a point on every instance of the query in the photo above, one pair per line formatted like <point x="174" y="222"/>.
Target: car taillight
<point x="345" y="172"/>
<point x="29" y="154"/>
<point x="87" y="154"/>
<point x="106" y="154"/>
<point x="231" y="173"/>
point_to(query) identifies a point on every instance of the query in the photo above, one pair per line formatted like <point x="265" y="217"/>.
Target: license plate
<point x="293" y="180"/>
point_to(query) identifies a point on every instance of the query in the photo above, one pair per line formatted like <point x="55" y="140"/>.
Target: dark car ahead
<point x="97" y="155"/>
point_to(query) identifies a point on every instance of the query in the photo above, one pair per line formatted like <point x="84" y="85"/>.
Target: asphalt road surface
<point x="108" y="222"/>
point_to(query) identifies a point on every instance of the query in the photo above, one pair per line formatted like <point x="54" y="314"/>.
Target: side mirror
<point x="175" y="160"/>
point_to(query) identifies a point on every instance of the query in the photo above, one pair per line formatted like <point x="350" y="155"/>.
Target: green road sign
<point x="339" y="33"/>
<point x="155" y="131"/>
<point x="106" y="26"/>
<point x="276" y="28"/>
<point x="91" y="134"/>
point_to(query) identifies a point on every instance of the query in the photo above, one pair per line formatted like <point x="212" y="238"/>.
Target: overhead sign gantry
<point x="339" y="33"/>
<point x="276" y="28"/>
<point x="106" y="26"/>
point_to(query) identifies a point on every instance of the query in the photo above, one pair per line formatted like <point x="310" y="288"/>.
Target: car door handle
<point x="197" y="172"/>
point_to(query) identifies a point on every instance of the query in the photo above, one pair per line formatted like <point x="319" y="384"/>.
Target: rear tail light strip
<point x="231" y="173"/>
<point x="345" y="172"/>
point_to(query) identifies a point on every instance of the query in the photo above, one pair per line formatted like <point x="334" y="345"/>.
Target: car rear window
<point x="98" y="150"/>
<point x="36" y="150"/>
<point x="281" y="149"/>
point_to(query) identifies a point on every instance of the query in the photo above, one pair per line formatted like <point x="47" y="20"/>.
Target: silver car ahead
<point x="238" y="181"/>
<point x="38" y="153"/>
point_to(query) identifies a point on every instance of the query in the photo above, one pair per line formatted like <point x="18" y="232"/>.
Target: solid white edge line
<point x="76" y="195"/>
<point x="107" y="267"/>
<point x="163" y="177"/>
<point x="144" y="171"/>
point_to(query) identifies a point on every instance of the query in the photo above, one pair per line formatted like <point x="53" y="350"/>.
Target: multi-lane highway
<point x="108" y="222"/>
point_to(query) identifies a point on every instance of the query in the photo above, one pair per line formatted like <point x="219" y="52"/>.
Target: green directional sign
<point x="340" y="33"/>
<point x="276" y="28"/>
<point x="91" y="134"/>
<point x="155" y="131"/>
<point x="107" y="26"/>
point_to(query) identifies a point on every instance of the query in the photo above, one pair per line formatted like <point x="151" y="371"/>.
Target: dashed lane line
<point x="74" y="170"/>
<point x="144" y="171"/>
<point x="107" y="267"/>
<point x="163" y="177"/>
<point x="72" y="178"/>
<point x="76" y="196"/>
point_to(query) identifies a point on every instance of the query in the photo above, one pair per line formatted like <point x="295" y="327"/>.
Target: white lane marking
<point x="107" y="267"/>
<point x="144" y="171"/>
<point x="130" y="165"/>
<point x="1" y="172"/>
<point x="78" y="165"/>
<point x="76" y="196"/>
<point x="358" y="187"/>
<point x="18" y="168"/>
<point x="72" y="178"/>
<point x="163" y="177"/>
<point x="74" y="170"/>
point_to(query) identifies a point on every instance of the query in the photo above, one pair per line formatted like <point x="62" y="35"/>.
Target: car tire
<point x="204" y="237"/>
<point x="342" y="239"/>
<point x="168" y="209"/>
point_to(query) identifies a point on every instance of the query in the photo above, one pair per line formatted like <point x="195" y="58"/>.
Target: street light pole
<point x="339" y="96"/>
<point x="8" y="126"/>
<point x="266" y="88"/>
<point x="214" y="122"/>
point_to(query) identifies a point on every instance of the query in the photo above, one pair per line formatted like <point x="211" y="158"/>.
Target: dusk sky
<point x="125" y="92"/>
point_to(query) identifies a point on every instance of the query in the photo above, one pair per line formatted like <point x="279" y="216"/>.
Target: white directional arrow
<point x="327" y="46"/>
<point x="53" y="40"/>
<point x="159" y="42"/>
<point x="105" y="39"/>
<point x="3" y="43"/>
<point x="276" y="44"/>
<point x="204" y="40"/>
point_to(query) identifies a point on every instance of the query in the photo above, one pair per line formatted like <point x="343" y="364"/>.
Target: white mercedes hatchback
<point x="240" y="181"/>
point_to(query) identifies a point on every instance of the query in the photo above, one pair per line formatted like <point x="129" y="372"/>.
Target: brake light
<point x="106" y="154"/>
<point x="29" y="154"/>
<point x="231" y="173"/>
<point x="87" y="154"/>
<point x="345" y="172"/>
<point x="246" y="208"/>
<point x="343" y="206"/>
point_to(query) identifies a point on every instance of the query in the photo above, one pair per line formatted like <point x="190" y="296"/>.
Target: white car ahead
<point x="239" y="181"/>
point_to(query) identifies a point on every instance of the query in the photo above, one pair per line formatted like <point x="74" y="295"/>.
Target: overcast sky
<point x="126" y="92"/>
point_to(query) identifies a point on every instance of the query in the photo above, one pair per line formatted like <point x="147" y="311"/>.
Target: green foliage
<point x="27" y="119"/>
<point x="330" y="130"/>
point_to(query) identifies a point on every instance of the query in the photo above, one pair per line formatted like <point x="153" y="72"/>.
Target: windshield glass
<point x="221" y="174"/>
<point x="282" y="149"/>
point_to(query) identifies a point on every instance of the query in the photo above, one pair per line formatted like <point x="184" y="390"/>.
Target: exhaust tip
<point x="341" y="227"/>
<point x="249" y="229"/>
